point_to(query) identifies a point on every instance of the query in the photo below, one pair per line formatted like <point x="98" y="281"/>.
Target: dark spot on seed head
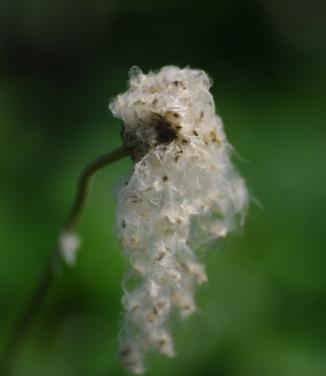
<point x="195" y="133"/>
<point x="177" y="155"/>
<point x="125" y="352"/>
<point x="161" y="256"/>
<point x="214" y="137"/>
<point x="179" y="84"/>
<point x="160" y="305"/>
<point x="165" y="178"/>
<point x="137" y="141"/>
<point x="175" y="114"/>
<point x="123" y="223"/>
<point x="164" y="131"/>
<point x="162" y="343"/>
<point x="211" y="137"/>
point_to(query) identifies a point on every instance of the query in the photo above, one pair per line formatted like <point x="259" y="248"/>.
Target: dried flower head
<point x="183" y="193"/>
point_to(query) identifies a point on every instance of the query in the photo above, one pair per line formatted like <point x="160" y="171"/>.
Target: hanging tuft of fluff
<point x="183" y="193"/>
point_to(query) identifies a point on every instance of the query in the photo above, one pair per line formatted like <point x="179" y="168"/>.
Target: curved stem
<point x="84" y="183"/>
<point x="33" y="306"/>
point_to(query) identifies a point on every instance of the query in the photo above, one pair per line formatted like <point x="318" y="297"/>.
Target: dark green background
<point x="263" y="311"/>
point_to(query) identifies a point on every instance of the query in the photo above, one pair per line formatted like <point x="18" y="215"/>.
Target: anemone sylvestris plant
<point x="183" y="192"/>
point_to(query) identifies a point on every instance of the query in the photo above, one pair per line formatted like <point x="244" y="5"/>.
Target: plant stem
<point x="37" y="298"/>
<point x="84" y="183"/>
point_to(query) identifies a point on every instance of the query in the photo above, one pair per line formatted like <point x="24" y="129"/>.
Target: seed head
<point x="183" y="193"/>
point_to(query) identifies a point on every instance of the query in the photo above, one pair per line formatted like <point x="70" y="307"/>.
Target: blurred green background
<point x="263" y="310"/>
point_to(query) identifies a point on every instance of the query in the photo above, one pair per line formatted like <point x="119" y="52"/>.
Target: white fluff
<point x="183" y="193"/>
<point x="69" y="244"/>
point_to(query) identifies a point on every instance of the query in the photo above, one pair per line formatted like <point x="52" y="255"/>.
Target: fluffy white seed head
<point x="183" y="193"/>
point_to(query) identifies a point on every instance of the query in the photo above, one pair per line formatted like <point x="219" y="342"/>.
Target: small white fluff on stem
<point x="183" y="193"/>
<point x="69" y="244"/>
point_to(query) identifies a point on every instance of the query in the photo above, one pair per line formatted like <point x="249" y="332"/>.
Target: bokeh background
<point x="263" y="310"/>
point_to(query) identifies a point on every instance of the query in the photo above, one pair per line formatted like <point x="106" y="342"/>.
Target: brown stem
<point x="34" y="304"/>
